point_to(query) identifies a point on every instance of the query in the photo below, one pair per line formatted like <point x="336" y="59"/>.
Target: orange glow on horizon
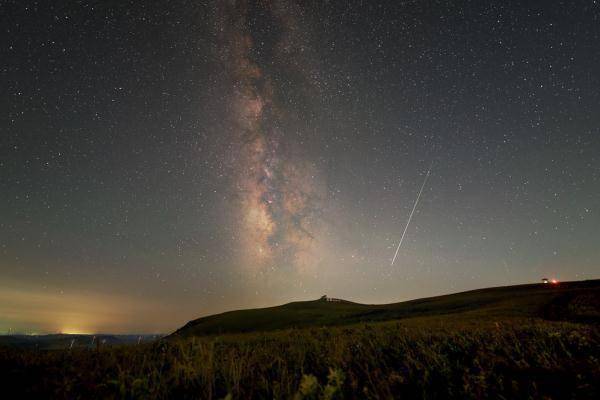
<point x="74" y="331"/>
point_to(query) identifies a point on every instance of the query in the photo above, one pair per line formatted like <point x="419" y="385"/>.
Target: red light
<point x="554" y="281"/>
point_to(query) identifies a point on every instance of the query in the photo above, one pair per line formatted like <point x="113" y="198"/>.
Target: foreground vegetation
<point x="420" y="359"/>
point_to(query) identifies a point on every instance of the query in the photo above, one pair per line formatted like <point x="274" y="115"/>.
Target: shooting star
<point x="411" y="214"/>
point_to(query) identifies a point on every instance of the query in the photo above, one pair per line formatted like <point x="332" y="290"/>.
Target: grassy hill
<point x="517" y="342"/>
<point x="573" y="301"/>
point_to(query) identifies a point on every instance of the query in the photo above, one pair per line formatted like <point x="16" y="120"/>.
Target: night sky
<point x="160" y="161"/>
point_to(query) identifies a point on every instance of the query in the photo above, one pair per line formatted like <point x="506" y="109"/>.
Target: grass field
<point x="467" y="345"/>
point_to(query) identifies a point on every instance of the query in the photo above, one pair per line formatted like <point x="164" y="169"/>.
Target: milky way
<point x="279" y="194"/>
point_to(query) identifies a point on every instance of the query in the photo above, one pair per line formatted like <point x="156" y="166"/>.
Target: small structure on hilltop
<point x="552" y="281"/>
<point x="330" y="299"/>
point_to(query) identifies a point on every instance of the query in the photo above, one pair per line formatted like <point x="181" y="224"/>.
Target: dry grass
<point x="386" y="360"/>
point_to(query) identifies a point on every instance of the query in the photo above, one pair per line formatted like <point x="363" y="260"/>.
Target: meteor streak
<point x="411" y="214"/>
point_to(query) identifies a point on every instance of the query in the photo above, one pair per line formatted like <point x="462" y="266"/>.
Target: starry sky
<point x="162" y="161"/>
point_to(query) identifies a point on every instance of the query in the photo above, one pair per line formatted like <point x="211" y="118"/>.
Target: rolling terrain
<point x="67" y="341"/>
<point x="526" y="341"/>
<point x="567" y="301"/>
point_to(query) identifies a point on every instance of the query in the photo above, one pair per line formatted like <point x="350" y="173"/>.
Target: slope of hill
<point x="574" y="301"/>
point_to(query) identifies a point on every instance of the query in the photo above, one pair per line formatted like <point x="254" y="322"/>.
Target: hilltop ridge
<point x="575" y="301"/>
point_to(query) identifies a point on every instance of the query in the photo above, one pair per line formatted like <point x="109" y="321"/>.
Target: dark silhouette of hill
<point x="577" y="301"/>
